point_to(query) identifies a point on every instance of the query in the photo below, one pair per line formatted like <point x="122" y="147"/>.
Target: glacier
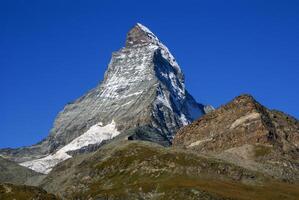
<point x="96" y="134"/>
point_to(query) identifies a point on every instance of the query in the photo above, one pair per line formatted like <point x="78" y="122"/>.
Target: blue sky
<point x="52" y="52"/>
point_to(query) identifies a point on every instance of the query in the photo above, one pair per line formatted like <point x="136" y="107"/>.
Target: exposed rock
<point x="208" y="108"/>
<point x="269" y="138"/>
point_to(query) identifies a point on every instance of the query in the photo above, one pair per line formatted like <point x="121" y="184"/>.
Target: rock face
<point x="246" y="133"/>
<point x="142" y="87"/>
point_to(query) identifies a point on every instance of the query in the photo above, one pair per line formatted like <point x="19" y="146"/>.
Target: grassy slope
<point x="13" y="173"/>
<point x="139" y="170"/>
<point x="21" y="192"/>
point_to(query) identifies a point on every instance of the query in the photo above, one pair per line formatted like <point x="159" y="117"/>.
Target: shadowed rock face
<point x="142" y="87"/>
<point x="244" y="131"/>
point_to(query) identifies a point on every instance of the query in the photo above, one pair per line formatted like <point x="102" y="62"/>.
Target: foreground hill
<point x="241" y="151"/>
<point x="22" y="192"/>
<point x="11" y="172"/>
<point x="247" y="134"/>
<point x="143" y="170"/>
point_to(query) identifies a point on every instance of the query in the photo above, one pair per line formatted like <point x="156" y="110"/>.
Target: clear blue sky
<point x="52" y="52"/>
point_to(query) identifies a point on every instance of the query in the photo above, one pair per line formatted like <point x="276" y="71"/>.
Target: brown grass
<point x="217" y="188"/>
<point x="261" y="150"/>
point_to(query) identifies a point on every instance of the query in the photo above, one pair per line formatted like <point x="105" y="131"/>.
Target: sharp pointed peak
<point x="144" y="28"/>
<point x="140" y="34"/>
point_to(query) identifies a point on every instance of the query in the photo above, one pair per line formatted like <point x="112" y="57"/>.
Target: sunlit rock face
<point x="248" y="134"/>
<point x="142" y="87"/>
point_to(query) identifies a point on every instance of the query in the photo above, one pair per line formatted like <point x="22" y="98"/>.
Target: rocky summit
<point x="248" y="134"/>
<point x="143" y="92"/>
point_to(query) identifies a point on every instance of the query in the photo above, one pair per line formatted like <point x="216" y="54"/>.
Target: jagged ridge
<point x="248" y="134"/>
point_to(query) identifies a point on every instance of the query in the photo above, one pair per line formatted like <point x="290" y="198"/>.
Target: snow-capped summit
<point x="142" y="96"/>
<point x="141" y="35"/>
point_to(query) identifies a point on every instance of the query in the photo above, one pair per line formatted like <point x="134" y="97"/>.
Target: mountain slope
<point x="11" y="172"/>
<point x="142" y="87"/>
<point x="248" y="134"/>
<point x="142" y="170"/>
<point x="22" y="192"/>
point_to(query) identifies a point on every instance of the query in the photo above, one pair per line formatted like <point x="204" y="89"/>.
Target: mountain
<point x="241" y="150"/>
<point x="11" y="172"/>
<point x="134" y="137"/>
<point x="143" y="93"/>
<point x="247" y="134"/>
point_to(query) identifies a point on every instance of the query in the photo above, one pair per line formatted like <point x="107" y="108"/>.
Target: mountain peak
<point x="140" y="34"/>
<point x="245" y="97"/>
<point x="244" y="131"/>
<point x="241" y="121"/>
<point x="142" y="96"/>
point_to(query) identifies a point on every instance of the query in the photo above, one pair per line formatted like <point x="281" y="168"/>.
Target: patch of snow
<point x="242" y="120"/>
<point x="125" y="104"/>
<point x="184" y="119"/>
<point x="133" y="94"/>
<point x="198" y="142"/>
<point x="175" y="85"/>
<point x="94" y="135"/>
<point x="162" y="98"/>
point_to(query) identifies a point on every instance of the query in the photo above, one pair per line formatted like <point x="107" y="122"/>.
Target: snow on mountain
<point x="143" y="87"/>
<point x="96" y="134"/>
<point x="165" y="51"/>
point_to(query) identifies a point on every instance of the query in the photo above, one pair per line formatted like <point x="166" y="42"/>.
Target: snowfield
<point x="95" y="135"/>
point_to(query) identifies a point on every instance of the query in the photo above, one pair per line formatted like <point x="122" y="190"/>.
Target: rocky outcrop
<point x="246" y="133"/>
